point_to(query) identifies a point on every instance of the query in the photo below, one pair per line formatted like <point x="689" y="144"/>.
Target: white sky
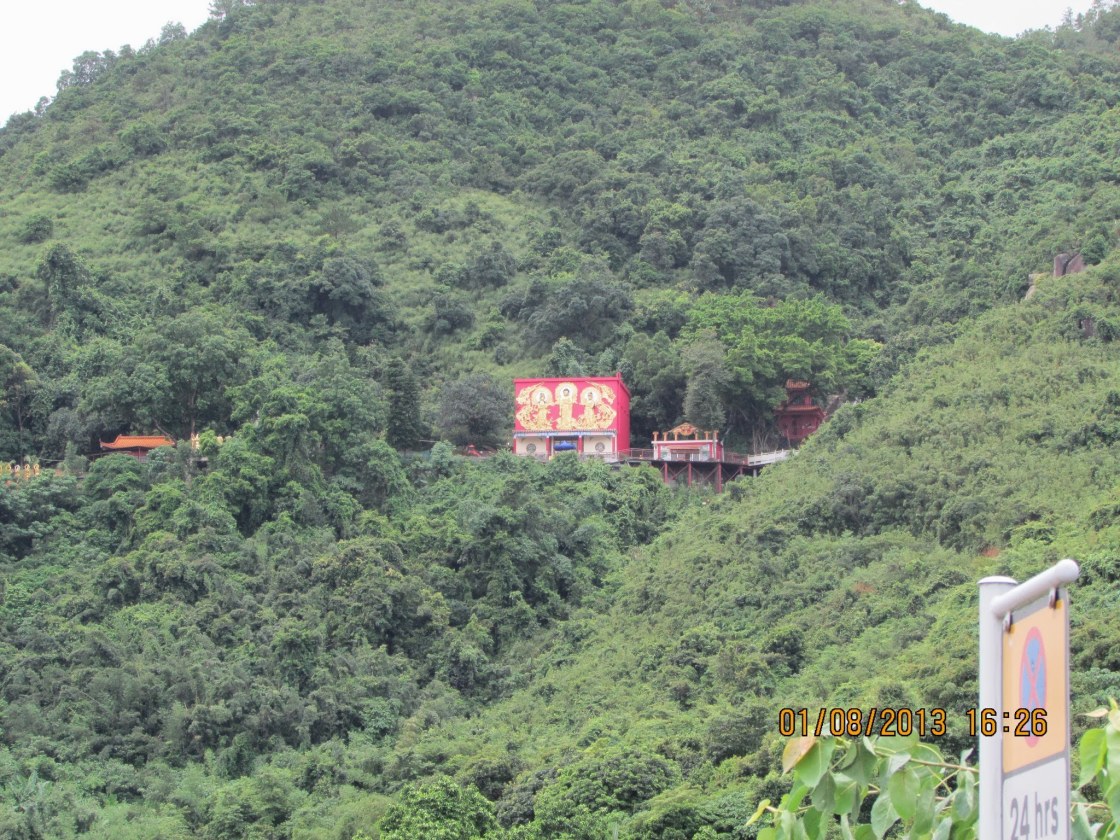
<point x="40" y="39"/>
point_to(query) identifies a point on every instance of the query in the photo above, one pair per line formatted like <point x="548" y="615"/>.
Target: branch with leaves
<point x="884" y="780"/>
<point x="871" y="786"/>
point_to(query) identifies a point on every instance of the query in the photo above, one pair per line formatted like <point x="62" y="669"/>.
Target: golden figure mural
<point x="533" y="414"/>
<point x="536" y="401"/>
<point x="566" y="399"/>
<point x="596" y="413"/>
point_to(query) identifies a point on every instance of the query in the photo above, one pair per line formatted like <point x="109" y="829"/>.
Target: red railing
<point x="632" y="455"/>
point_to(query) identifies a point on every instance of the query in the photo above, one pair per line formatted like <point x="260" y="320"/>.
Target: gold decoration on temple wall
<point x="535" y="394"/>
<point x="684" y="429"/>
<point x="566" y="398"/>
<point x="535" y="401"/>
<point x="566" y="393"/>
<point x="596" y="413"/>
<point x="534" y="418"/>
<point x="602" y="416"/>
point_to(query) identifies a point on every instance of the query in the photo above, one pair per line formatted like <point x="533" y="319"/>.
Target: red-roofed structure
<point x="137" y="446"/>
<point x="798" y="416"/>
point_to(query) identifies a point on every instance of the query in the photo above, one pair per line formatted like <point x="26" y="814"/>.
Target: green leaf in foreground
<point x="883" y="815"/>
<point x="1092" y="751"/>
<point x="824" y="795"/>
<point x="903" y="789"/>
<point x="814" y="764"/>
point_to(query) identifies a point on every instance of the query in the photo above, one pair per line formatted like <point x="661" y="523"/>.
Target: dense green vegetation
<point x="324" y="236"/>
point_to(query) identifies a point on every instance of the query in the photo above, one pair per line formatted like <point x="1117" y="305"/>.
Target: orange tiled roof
<point x="138" y="442"/>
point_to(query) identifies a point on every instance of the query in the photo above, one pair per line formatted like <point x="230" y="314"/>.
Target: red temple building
<point x="585" y="415"/>
<point x="798" y="416"/>
<point x="138" y="446"/>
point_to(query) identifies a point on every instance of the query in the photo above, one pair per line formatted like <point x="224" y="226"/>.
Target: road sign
<point x="1024" y="688"/>
<point x="1035" y="722"/>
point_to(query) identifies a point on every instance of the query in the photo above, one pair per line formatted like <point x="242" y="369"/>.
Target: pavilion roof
<point x="138" y="442"/>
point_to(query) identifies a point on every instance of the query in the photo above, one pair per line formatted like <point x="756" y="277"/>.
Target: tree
<point x="174" y="376"/>
<point x="740" y="243"/>
<point x="404" y="429"/>
<point x="172" y="32"/>
<point x="768" y="344"/>
<point x="490" y="267"/>
<point x="346" y="291"/>
<point x="18" y="383"/>
<point x="566" y="359"/>
<point x="220" y="9"/>
<point x="254" y="806"/>
<point x="144" y="138"/>
<point x="708" y="379"/>
<point x="244" y="479"/>
<point x="87" y="67"/>
<point x="587" y="309"/>
<point x="203" y="354"/>
<point x="476" y="409"/>
<point x="62" y="273"/>
<point x="438" y="810"/>
<point x="450" y="312"/>
<point x="602" y="783"/>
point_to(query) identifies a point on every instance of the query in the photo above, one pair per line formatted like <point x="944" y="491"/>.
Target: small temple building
<point x="798" y="416"/>
<point x="696" y="458"/>
<point x="138" y="446"/>
<point x="687" y="444"/>
<point x="584" y="415"/>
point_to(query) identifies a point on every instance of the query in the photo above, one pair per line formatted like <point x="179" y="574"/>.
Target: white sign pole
<point x="991" y="697"/>
<point x="1057" y="576"/>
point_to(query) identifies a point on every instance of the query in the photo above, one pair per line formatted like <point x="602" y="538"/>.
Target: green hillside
<point x="324" y="236"/>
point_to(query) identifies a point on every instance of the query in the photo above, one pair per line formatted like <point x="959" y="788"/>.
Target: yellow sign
<point x="1035" y="721"/>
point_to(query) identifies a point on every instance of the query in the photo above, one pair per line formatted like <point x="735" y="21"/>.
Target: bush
<point x="36" y="229"/>
<point x="438" y="810"/>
